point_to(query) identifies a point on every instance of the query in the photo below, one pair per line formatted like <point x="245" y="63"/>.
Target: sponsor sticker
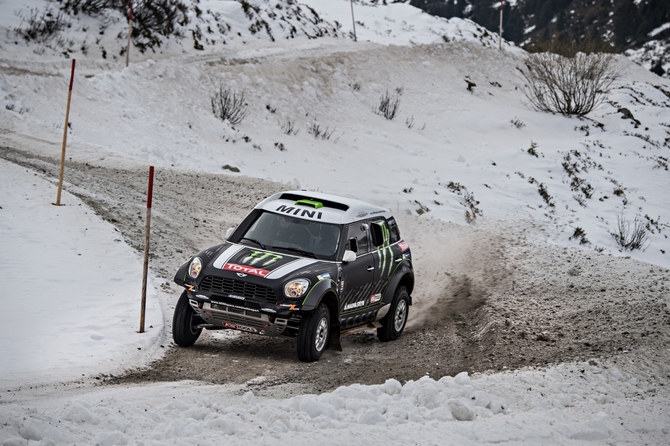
<point x="354" y="305"/>
<point x="404" y="246"/>
<point x="232" y="296"/>
<point x="246" y="269"/>
<point x="238" y="327"/>
<point x="375" y="298"/>
<point x="323" y="276"/>
<point x="261" y="257"/>
<point x="361" y="214"/>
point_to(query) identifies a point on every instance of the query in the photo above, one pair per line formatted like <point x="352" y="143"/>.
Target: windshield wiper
<point x="253" y="240"/>
<point x="298" y="251"/>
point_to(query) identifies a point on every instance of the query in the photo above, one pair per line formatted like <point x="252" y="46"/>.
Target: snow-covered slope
<point x="448" y="152"/>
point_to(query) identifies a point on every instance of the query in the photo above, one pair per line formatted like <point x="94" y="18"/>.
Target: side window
<point x="395" y="232"/>
<point x="359" y="232"/>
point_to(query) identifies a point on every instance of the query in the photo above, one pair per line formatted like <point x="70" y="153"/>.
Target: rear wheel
<point x="394" y="322"/>
<point x="185" y="322"/>
<point x="313" y="335"/>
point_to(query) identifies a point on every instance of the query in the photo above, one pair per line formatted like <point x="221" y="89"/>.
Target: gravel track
<point x="485" y="300"/>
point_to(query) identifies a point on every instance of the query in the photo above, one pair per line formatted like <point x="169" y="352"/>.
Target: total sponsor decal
<point x="239" y="327"/>
<point x="354" y="305"/>
<point x="246" y="269"/>
<point x="375" y="298"/>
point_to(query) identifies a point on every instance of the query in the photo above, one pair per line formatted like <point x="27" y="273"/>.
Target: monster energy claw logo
<point x="385" y="250"/>
<point x="261" y="258"/>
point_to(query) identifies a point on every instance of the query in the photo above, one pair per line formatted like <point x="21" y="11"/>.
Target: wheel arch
<point x="405" y="279"/>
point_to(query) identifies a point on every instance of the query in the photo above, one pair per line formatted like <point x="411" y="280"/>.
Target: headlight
<point x="195" y="267"/>
<point x="296" y="288"/>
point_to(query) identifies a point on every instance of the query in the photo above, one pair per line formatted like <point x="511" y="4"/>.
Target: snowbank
<point x="71" y="301"/>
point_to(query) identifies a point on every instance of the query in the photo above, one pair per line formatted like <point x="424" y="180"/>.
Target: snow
<point x="659" y="29"/>
<point x="566" y="404"/>
<point x="71" y="301"/>
<point x="157" y="112"/>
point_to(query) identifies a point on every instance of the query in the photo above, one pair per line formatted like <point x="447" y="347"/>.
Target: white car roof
<point x="321" y="207"/>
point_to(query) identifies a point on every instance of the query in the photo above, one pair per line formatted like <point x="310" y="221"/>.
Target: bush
<point x="228" y="105"/>
<point x="388" y="106"/>
<point x="569" y="80"/>
<point x="41" y="26"/>
<point x="315" y="129"/>
<point x="151" y="18"/>
<point x="629" y="238"/>
<point x="288" y="127"/>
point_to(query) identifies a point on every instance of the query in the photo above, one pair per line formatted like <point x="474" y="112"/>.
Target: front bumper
<point x="220" y="312"/>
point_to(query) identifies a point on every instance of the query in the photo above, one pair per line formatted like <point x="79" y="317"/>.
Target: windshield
<point x="297" y="235"/>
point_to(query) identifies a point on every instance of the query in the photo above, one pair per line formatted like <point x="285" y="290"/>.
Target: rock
<point x="544" y="336"/>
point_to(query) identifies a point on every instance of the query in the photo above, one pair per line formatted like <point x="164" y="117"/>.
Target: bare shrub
<point x="41" y="26"/>
<point x="580" y="235"/>
<point x="151" y="18"/>
<point x="518" y="123"/>
<point x="288" y="127"/>
<point x="315" y="129"/>
<point x="388" y="105"/>
<point x="228" y="105"/>
<point x="628" y="238"/>
<point x="568" y="79"/>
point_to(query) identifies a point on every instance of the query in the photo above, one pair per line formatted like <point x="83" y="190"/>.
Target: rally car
<point x="302" y="264"/>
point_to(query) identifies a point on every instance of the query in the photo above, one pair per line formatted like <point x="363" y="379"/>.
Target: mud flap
<point x="335" y="343"/>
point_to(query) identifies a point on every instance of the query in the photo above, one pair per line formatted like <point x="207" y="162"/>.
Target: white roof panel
<point x="321" y="207"/>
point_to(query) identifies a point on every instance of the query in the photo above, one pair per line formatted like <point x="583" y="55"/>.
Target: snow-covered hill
<point x="479" y="156"/>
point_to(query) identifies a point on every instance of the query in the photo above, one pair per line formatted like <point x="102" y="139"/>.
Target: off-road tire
<point x="184" y="322"/>
<point x="314" y="334"/>
<point x="395" y="320"/>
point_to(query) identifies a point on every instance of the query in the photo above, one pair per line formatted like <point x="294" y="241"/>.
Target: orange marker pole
<point x="353" y="21"/>
<point x="67" y="119"/>
<point x="501" y="30"/>
<point x="130" y="32"/>
<point x="150" y="191"/>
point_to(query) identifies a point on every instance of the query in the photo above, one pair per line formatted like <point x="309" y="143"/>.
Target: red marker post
<point x="67" y="119"/>
<point x="501" y="15"/>
<point x="130" y="32"/>
<point x="150" y="191"/>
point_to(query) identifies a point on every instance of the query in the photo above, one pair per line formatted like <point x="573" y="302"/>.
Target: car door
<point x="358" y="276"/>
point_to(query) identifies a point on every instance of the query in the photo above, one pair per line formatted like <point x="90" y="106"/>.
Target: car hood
<point x="249" y="261"/>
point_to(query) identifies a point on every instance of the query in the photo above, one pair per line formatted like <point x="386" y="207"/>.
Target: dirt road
<point x="485" y="300"/>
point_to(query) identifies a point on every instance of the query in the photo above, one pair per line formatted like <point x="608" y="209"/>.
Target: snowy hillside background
<point x="480" y="158"/>
<point x="462" y="152"/>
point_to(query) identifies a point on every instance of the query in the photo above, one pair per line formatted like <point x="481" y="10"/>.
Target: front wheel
<point x="313" y="334"/>
<point x="394" y="322"/>
<point x="185" y="322"/>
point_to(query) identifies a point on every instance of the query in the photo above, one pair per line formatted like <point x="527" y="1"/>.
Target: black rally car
<point x="301" y="264"/>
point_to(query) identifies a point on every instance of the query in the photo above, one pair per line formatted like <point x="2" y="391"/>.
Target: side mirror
<point x="349" y="256"/>
<point x="229" y="232"/>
